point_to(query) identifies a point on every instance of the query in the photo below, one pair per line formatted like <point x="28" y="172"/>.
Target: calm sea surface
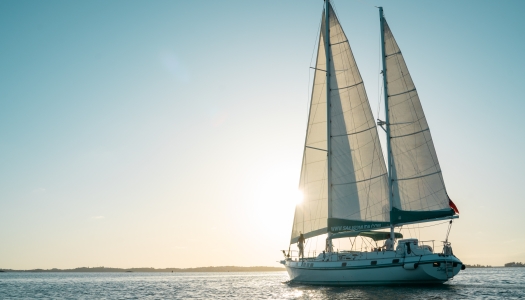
<point x="495" y="283"/>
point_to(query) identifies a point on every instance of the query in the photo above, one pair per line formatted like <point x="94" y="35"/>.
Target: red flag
<point x="453" y="206"/>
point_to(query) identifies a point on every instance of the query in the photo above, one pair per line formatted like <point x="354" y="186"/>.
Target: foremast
<point x="387" y="120"/>
<point x="329" y="247"/>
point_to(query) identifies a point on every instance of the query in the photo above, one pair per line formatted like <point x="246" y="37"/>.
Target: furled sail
<point x="417" y="184"/>
<point x="359" y="177"/>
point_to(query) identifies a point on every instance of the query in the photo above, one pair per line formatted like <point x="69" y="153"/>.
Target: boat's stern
<point x="440" y="267"/>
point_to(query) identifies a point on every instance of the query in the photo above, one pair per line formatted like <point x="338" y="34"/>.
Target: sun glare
<point x="298" y="199"/>
<point x="273" y="192"/>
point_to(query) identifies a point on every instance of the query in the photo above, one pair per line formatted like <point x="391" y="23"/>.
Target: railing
<point x="312" y="255"/>
<point x="294" y="255"/>
<point x="429" y="241"/>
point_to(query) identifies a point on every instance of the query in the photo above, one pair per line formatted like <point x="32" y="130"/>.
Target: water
<point x="495" y="283"/>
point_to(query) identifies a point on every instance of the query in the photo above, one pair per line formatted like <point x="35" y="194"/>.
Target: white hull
<point x="374" y="268"/>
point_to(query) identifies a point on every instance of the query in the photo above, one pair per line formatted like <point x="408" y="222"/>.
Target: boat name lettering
<point x="355" y="227"/>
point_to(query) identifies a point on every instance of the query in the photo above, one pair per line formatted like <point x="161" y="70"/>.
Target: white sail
<point x="417" y="184"/>
<point x="346" y="187"/>
<point x="312" y="213"/>
<point x="359" y="177"/>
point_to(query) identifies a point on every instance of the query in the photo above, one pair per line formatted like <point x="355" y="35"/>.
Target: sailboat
<point x="347" y="188"/>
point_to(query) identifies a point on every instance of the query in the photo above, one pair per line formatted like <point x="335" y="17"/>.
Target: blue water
<point x="495" y="283"/>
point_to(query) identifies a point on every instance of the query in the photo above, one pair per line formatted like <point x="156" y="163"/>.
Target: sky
<point x="170" y="133"/>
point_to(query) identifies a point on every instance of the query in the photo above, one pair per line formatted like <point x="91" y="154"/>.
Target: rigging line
<point x="359" y="180"/>
<point x="316" y="148"/>
<point x="398" y="52"/>
<point x="379" y="81"/>
<point x="402" y="93"/>
<point x="379" y="95"/>
<point x="338" y="135"/>
<point x="347" y="87"/>
<point x="339" y="43"/>
<point x="370" y="243"/>
<point x="310" y="96"/>
<point x="409" y="231"/>
<point x="317" y="69"/>
<point x="415" y="177"/>
<point x="409" y="134"/>
<point x="448" y="231"/>
<point x="412" y="231"/>
<point x="316" y="240"/>
<point x="405" y="123"/>
<point x="317" y="37"/>
<point x="318" y="213"/>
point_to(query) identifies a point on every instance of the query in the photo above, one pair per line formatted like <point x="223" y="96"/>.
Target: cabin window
<point x="436" y="264"/>
<point x="395" y="261"/>
<point x="373" y="263"/>
<point x="343" y="264"/>
<point x="455" y="264"/>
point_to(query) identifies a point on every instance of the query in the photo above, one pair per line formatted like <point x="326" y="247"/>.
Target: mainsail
<point x="418" y="190"/>
<point x="359" y="177"/>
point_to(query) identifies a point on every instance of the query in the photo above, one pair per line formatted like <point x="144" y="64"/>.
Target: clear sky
<point x="170" y="133"/>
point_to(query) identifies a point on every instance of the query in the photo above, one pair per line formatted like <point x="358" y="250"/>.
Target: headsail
<point x="359" y="177"/>
<point x="417" y="184"/>
<point x="311" y="215"/>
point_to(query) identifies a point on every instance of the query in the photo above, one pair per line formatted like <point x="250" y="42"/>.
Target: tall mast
<point x="387" y="121"/>
<point x="328" y="116"/>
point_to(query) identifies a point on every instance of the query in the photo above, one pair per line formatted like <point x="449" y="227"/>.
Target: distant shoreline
<point x="153" y="270"/>
<point x="199" y="269"/>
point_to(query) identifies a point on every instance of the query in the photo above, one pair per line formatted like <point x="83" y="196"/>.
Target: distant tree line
<point x="514" y="265"/>
<point x="172" y="270"/>
<point x="477" y="266"/>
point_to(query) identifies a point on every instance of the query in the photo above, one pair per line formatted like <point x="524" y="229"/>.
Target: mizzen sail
<point x="418" y="189"/>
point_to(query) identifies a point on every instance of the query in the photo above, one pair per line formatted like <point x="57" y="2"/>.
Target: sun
<point x="298" y="197"/>
<point x="274" y="192"/>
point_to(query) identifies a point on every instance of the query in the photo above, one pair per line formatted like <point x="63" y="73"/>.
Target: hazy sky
<point x="170" y="133"/>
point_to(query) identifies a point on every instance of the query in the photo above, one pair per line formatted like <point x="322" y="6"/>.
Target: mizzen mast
<point x="387" y="121"/>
